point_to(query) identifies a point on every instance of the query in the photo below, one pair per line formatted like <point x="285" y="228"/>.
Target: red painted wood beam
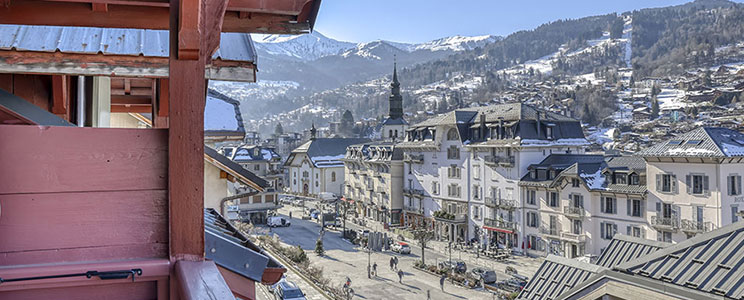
<point x="60" y="97"/>
<point x="160" y="105"/>
<point x="201" y="280"/>
<point x="186" y="147"/>
<point x="131" y="109"/>
<point x="71" y="13"/>
<point x="240" y="286"/>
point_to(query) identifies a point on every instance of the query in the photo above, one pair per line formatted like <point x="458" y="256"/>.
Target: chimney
<point x="483" y="126"/>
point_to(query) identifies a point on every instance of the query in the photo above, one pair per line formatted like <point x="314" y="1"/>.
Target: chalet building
<point x="236" y="192"/>
<point x="694" y="182"/>
<point x="633" y="268"/>
<point x="394" y="126"/>
<point x="145" y="184"/>
<point x="576" y="203"/>
<point x="262" y="161"/>
<point x="283" y="144"/>
<point x="317" y="166"/>
<point x="373" y="181"/>
<point x="462" y="168"/>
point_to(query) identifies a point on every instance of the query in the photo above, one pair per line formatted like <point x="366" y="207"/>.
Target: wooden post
<point x="160" y="104"/>
<point x="186" y="147"/>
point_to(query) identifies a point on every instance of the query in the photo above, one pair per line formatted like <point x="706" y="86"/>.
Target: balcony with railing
<point x="447" y="217"/>
<point x="413" y="158"/>
<point x="574" y="212"/>
<point x="571" y="237"/>
<point x="491" y="201"/>
<point x="500" y="224"/>
<point x="414" y="192"/>
<point x="551" y="231"/>
<point x="664" y="223"/>
<point x="508" y="204"/>
<point x="502" y="161"/>
<point x="692" y="226"/>
<point x="414" y="209"/>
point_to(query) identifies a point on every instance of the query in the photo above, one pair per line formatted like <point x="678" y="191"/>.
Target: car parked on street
<point x="286" y="290"/>
<point x="458" y="266"/>
<point x="401" y="247"/>
<point x="511" y="285"/>
<point x="485" y="275"/>
<point x="278" y="222"/>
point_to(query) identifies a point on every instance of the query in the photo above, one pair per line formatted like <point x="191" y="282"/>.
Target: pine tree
<point x="319" y="247"/>
<point x="654" y="108"/>
<point x="278" y="130"/>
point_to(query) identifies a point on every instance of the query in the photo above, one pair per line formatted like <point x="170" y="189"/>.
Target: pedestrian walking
<point x="396" y="262"/>
<point x="428" y="295"/>
<point x="374" y="268"/>
<point x="441" y="281"/>
<point x="392" y="261"/>
<point x="290" y="214"/>
<point x="400" y="276"/>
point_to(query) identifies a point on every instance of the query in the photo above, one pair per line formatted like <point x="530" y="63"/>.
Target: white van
<point x="277" y="222"/>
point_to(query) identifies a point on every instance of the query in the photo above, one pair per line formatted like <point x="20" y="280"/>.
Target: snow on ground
<point x="671" y="99"/>
<point x="628" y="37"/>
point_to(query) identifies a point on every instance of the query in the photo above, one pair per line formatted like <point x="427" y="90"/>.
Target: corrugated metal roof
<point x="712" y="262"/>
<point x="230" y="249"/>
<point x="555" y="276"/>
<point x="112" y="41"/>
<point x="624" y="248"/>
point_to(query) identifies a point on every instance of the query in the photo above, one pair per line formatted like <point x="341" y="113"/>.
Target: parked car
<point x="511" y="285"/>
<point x="458" y="266"/>
<point x="521" y="278"/>
<point x="286" y="290"/>
<point x="485" y="275"/>
<point x="278" y="222"/>
<point x="401" y="248"/>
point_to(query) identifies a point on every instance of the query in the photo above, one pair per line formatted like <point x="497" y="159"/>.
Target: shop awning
<point x="497" y="229"/>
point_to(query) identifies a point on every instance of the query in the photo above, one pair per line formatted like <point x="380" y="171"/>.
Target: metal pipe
<point x="81" y="101"/>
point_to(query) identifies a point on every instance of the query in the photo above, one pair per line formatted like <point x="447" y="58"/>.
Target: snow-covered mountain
<point x="309" y="47"/>
<point x="305" y="47"/>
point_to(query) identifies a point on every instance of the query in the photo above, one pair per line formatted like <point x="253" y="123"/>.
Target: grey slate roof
<point x="714" y="142"/>
<point x="232" y="250"/>
<point x="624" y="248"/>
<point x="588" y="168"/>
<point x="396" y="121"/>
<point x="112" y="41"/>
<point x="327" y="152"/>
<point x="555" y="276"/>
<point x="247" y="154"/>
<point x="29" y="111"/>
<point x="712" y="263"/>
<point x="235" y="167"/>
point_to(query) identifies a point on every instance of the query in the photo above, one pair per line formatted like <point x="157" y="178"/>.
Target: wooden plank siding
<point x="82" y="194"/>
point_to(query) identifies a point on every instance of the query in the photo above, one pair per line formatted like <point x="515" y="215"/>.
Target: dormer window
<point x="533" y="174"/>
<point x="634" y="179"/>
<point x="549" y="131"/>
<point x="621" y="178"/>
<point x="551" y="174"/>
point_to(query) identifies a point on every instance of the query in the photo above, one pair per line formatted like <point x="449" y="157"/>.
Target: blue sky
<point x="423" y="20"/>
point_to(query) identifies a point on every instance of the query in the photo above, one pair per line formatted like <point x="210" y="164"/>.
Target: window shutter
<point x="628" y="231"/>
<point x="706" y="191"/>
<point x="738" y="184"/>
<point x="674" y="184"/>
<point x="602" y="204"/>
<point x="643" y="208"/>
<point x="658" y="182"/>
<point x="628" y="206"/>
<point x="614" y="205"/>
<point x="602" y="230"/>
<point x="730" y="184"/>
<point x="688" y="180"/>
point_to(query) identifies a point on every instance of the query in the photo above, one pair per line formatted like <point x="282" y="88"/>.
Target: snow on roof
<point x="222" y="114"/>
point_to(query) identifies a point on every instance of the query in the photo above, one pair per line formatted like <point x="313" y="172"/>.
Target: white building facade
<point x="317" y="166"/>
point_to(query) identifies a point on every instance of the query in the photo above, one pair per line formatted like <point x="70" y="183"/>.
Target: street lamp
<point x="369" y="256"/>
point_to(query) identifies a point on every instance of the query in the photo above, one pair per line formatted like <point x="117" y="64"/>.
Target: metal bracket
<point x="123" y="274"/>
